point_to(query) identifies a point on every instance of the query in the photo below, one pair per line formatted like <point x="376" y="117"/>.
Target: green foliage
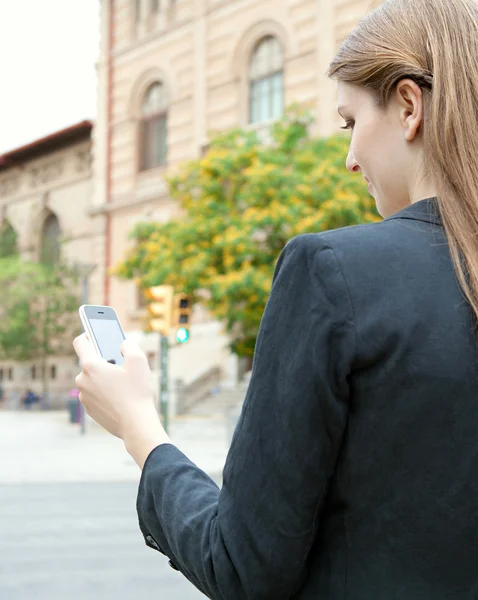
<point x="36" y="310"/>
<point x="240" y="204"/>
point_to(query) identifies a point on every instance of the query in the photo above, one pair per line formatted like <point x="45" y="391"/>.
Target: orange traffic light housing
<point x="160" y="309"/>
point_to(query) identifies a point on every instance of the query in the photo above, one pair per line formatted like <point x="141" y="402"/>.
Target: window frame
<point x="270" y="78"/>
<point x="146" y="162"/>
<point x="147" y="122"/>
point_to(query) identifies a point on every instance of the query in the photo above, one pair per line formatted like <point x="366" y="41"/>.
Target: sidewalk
<point x="43" y="447"/>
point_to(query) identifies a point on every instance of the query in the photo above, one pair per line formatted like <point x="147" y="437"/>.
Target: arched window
<point x="50" y="241"/>
<point x="266" y="81"/>
<point x="8" y="240"/>
<point x="154" y="127"/>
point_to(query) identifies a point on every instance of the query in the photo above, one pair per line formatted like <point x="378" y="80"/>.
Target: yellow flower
<point x="341" y="195"/>
<point x="250" y="213"/>
<point x="228" y="260"/>
<point x="328" y="205"/>
<point x="304" y="189"/>
<point x="152" y="247"/>
<point x="373" y="218"/>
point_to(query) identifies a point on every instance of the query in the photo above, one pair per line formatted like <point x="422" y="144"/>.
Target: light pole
<point x="163" y="381"/>
<point x="83" y="270"/>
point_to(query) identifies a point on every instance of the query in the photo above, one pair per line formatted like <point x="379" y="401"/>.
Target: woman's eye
<point x="348" y="125"/>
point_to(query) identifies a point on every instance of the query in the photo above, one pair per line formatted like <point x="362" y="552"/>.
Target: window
<point x="53" y="372"/>
<point x="33" y="373"/>
<point x="10" y="374"/>
<point x="154" y="127"/>
<point x="50" y="241"/>
<point x="8" y="240"/>
<point x="1" y="375"/>
<point x="155" y="6"/>
<point x="266" y="81"/>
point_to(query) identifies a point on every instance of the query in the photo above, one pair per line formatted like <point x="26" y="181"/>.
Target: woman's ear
<point x="409" y="97"/>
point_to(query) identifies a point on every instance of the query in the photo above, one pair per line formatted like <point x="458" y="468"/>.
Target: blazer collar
<point x="424" y="210"/>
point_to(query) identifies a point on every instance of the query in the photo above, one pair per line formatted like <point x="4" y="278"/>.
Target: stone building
<point x="172" y="71"/>
<point x="45" y="193"/>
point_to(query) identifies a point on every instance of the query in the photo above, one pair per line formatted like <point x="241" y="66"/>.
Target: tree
<point x="36" y="311"/>
<point x="240" y="204"/>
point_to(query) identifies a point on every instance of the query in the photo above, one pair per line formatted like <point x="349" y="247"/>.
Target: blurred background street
<point x="68" y="524"/>
<point x="79" y="541"/>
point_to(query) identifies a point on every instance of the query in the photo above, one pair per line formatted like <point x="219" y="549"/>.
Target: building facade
<point x="173" y="71"/>
<point x="45" y="194"/>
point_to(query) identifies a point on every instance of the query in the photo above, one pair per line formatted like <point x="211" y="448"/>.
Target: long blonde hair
<point x="435" y="43"/>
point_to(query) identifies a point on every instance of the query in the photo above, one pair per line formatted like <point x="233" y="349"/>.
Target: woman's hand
<point x="121" y="398"/>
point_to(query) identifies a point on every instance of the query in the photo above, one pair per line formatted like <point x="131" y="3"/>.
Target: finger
<point x="84" y="349"/>
<point x="81" y="398"/>
<point x="135" y="360"/>
<point x="80" y="381"/>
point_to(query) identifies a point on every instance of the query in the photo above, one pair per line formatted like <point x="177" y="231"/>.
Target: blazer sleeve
<point x="250" y="540"/>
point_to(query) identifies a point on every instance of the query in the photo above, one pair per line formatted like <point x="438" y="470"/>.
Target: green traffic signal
<point x="182" y="335"/>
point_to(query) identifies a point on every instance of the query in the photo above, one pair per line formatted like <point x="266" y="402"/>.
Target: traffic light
<point x="160" y="308"/>
<point x="182" y="317"/>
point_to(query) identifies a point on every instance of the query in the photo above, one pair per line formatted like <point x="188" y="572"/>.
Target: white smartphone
<point x="102" y="326"/>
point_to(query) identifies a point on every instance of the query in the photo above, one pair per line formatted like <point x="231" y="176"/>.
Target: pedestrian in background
<point x="353" y="471"/>
<point x="29" y="399"/>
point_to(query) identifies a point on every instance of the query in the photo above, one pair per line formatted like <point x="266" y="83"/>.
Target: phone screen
<point x="109" y="338"/>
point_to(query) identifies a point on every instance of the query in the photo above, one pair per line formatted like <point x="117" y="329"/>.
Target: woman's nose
<point x="351" y="163"/>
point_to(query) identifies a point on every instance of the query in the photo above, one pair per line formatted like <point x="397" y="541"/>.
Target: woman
<point x="353" y="471"/>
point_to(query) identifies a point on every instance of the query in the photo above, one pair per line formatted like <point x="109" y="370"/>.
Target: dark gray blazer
<point x="353" y="472"/>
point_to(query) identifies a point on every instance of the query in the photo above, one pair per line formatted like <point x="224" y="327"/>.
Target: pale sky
<point x="48" y="51"/>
